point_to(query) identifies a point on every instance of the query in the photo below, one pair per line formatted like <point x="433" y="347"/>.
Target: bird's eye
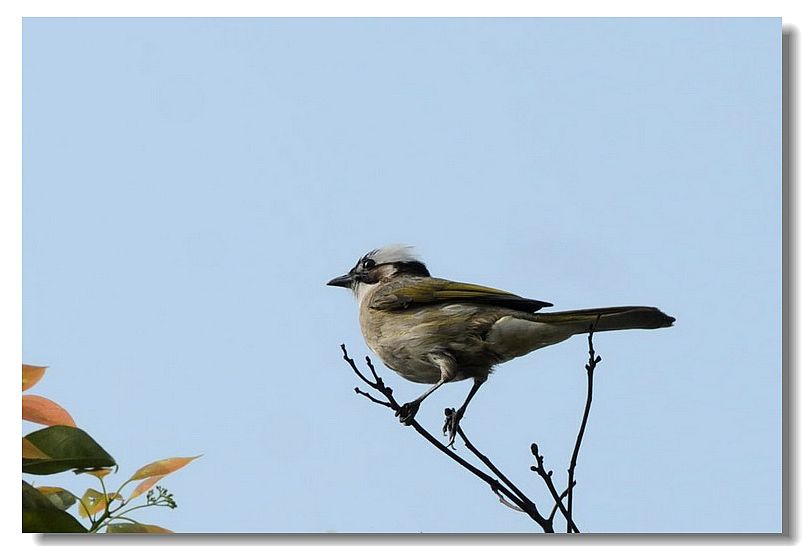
<point x="368" y="264"/>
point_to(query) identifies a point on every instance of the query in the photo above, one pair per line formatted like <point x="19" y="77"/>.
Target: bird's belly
<point x="407" y="353"/>
<point x="411" y="369"/>
<point x="405" y="341"/>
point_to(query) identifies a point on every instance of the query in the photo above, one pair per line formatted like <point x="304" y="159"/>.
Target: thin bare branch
<point x="593" y="360"/>
<point x="371" y="398"/>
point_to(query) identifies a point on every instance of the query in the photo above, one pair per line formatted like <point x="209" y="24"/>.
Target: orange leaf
<point x="47" y="490"/>
<point x="163" y="467"/>
<point x="31" y="375"/>
<point x="30" y="451"/>
<point x="145" y="485"/>
<point x="100" y="472"/>
<point x="39" y="409"/>
<point x="94" y="501"/>
<point x="90" y="502"/>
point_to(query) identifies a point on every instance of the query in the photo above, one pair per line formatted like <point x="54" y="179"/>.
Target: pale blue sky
<point x="190" y="186"/>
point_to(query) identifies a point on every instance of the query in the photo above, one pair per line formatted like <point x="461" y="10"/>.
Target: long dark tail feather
<point x="609" y="318"/>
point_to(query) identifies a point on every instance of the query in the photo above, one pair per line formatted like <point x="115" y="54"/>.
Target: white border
<point x="11" y="13"/>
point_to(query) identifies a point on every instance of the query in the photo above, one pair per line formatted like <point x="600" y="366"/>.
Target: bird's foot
<point x="453" y="417"/>
<point x="407" y="412"/>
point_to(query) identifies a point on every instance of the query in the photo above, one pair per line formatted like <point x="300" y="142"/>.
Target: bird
<point x="436" y="331"/>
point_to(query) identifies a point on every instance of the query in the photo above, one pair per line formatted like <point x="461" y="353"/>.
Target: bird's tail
<point x="607" y="318"/>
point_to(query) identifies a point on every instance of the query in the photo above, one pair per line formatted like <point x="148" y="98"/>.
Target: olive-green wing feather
<point x="407" y="293"/>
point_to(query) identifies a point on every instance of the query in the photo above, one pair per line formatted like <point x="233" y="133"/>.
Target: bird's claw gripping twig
<point x="451" y="424"/>
<point x="407" y="412"/>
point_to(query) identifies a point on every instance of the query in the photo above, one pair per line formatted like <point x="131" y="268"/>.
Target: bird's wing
<point x="407" y="293"/>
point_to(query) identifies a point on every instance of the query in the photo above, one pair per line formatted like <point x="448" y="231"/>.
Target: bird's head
<point x="380" y="264"/>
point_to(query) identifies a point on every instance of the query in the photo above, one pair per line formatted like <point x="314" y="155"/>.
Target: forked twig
<point x="558" y="498"/>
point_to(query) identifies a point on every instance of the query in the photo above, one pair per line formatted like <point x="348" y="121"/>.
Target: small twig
<point x="558" y="498"/>
<point x="590" y="367"/>
<point x="371" y="398"/>
<point x="373" y="371"/>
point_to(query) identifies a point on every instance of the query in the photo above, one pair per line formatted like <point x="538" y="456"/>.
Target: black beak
<point x="344" y="281"/>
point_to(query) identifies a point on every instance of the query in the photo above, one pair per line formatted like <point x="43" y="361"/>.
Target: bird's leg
<point x="408" y="410"/>
<point x="453" y="417"/>
<point x="448" y="370"/>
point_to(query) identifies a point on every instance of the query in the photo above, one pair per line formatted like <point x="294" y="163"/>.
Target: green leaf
<point x="39" y="515"/>
<point x="136" y="528"/>
<point x="67" y="448"/>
